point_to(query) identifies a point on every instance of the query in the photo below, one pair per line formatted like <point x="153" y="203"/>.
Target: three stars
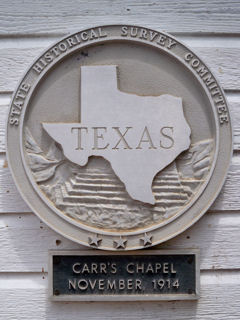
<point x="120" y="243"/>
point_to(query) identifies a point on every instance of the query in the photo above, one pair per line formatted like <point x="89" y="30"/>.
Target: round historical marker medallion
<point x="119" y="137"/>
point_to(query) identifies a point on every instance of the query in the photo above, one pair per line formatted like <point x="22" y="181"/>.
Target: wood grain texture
<point x="28" y="299"/>
<point x="60" y="17"/>
<point x="224" y="62"/>
<point x="25" y="241"/>
<point x="234" y="107"/>
<point x="3" y="118"/>
<point x="26" y="29"/>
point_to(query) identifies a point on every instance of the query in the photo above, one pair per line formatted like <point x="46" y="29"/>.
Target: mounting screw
<point x="56" y="292"/>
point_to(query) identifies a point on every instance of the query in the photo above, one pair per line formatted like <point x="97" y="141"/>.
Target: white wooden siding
<point x="212" y="30"/>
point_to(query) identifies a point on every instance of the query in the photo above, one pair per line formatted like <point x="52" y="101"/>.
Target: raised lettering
<point x="18" y="104"/>
<point x="25" y="87"/>
<point x="195" y="63"/>
<point x="48" y="57"/>
<point x="130" y="267"/>
<point x="84" y="36"/>
<point x="75" y="267"/>
<point x="92" y="283"/>
<point x="103" y="268"/>
<point x="171" y="43"/>
<point x="14" y="121"/>
<point x="101" y="284"/>
<point x="161" y="40"/>
<point x="188" y="56"/>
<point x="143" y="34"/>
<point x="38" y="68"/>
<point x="153" y="35"/>
<point x="72" y="284"/>
<point x="129" y="284"/>
<point x="149" y="268"/>
<point x="85" y="268"/>
<point x="158" y="267"/>
<point x="138" y="284"/>
<point x="165" y="267"/>
<point x="133" y="32"/>
<point x="140" y="268"/>
<point x="71" y="42"/>
<point x="82" y="284"/>
<point x="111" y="285"/>
<point x="124" y="31"/>
<point x="113" y="268"/>
<point x="93" y="34"/>
<point x="101" y="33"/>
<point x="77" y="38"/>
<point x="202" y="71"/>
<point x="208" y="79"/>
<point x="55" y="51"/>
<point x="94" y="268"/>
<point x="222" y="108"/>
<point x="172" y="269"/>
<point x="62" y="46"/>
<point x="121" y="284"/>
<point x="223" y="118"/>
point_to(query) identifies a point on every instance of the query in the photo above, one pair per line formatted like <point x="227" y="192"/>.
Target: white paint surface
<point x="25" y="241"/>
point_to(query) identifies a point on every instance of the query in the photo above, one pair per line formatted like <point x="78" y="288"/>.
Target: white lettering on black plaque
<point x="99" y="277"/>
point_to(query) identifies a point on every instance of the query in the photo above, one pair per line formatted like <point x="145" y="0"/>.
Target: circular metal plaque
<point x="119" y="137"/>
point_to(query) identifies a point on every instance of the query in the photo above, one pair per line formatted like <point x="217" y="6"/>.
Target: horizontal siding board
<point x="224" y="62"/>
<point x="25" y="242"/>
<point x="3" y="118"/>
<point x="219" y="300"/>
<point x="60" y="16"/>
<point x="234" y="107"/>
<point x="10" y="199"/>
<point x="220" y="62"/>
<point x="228" y="198"/>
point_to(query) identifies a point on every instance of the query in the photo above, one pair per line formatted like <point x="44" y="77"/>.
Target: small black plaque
<point x="144" y="275"/>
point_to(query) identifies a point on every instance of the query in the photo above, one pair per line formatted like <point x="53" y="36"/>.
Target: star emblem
<point x="94" y="240"/>
<point x="147" y="240"/>
<point x="120" y="243"/>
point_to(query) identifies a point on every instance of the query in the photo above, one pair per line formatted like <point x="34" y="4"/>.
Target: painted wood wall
<point x="212" y="29"/>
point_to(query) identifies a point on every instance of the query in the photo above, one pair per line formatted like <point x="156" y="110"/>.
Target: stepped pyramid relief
<point x="127" y="163"/>
<point x="138" y="135"/>
<point x="95" y="196"/>
<point x="94" y="190"/>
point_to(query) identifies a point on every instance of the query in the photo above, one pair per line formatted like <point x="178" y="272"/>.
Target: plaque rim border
<point x="151" y="228"/>
<point x="190" y="221"/>
<point x="124" y="297"/>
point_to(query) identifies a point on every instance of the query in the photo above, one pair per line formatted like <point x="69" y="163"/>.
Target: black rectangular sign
<point x="142" y="275"/>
